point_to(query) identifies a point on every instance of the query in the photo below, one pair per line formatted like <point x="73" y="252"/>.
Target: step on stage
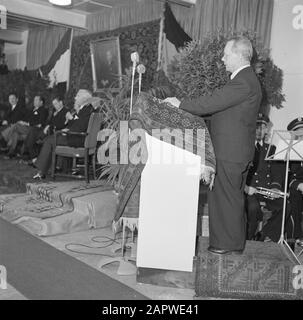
<point x="263" y="271"/>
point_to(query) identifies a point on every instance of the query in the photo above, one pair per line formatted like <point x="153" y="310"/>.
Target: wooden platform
<point x="167" y="278"/>
<point x="263" y="271"/>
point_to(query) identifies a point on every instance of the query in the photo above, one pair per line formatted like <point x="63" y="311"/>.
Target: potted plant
<point x="115" y="108"/>
<point x="198" y="70"/>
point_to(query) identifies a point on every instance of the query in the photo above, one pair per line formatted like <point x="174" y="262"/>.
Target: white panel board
<point x="168" y="207"/>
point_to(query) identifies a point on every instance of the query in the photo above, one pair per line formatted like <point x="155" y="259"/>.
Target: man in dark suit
<point x="296" y="186"/>
<point x="75" y="122"/>
<point x="15" y="113"/>
<point x="56" y="122"/>
<point x="264" y="174"/>
<point x="35" y="118"/>
<point x="3" y="65"/>
<point x="234" y="110"/>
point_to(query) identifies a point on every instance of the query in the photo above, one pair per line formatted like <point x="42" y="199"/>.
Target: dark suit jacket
<point x="57" y="122"/>
<point x="234" y="110"/>
<point x="37" y="117"/>
<point x="19" y="113"/>
<point x="296" y="175"/>
<point x="266" y="174"/>
<point x="79" y="124"/>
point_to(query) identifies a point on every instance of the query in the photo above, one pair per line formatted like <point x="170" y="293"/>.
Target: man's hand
<point x="4" y="123"/>
<point x="250" y="190"/>
<point x="300" y="187"/>
<point x="69" y="116"/>
<point x="65" y="130"/>
<point x="275" y="196"/>
<point x="23" y="123"/>
<point x="174" y="101"/>
<point x="45" y="130"/>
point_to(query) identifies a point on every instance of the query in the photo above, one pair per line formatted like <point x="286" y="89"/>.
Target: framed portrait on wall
<point x="106" y="64"/>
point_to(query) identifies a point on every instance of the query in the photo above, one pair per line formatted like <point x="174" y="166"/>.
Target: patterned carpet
<point x="262" y="272"/>
<point x="48" y="208"/>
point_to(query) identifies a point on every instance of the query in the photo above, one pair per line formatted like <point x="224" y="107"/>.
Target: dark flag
<point x="173" y="31"/>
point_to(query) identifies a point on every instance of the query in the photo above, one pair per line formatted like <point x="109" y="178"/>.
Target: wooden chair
<point x="85" y="152"/>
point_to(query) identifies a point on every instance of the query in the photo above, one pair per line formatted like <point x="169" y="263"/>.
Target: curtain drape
<point x="229" y="15"/>
<point x="205" y="17"/>
<point x="128" y="14"/>
<point x="197" y="21"/>
<point x="41" y="44"/>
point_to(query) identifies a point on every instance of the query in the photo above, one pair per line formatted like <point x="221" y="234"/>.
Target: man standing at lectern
<point x="234" y="109"/>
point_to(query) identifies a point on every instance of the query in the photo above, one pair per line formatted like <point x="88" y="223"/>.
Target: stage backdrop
<point x="287" y="53"/>
<point x="143" y="38"/>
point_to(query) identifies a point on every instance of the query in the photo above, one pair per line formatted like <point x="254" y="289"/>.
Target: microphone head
<point x="135" y="57"/>
<point x="141" y="68"/>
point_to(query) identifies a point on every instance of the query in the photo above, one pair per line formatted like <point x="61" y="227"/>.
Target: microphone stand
<point x="135" y="60"/>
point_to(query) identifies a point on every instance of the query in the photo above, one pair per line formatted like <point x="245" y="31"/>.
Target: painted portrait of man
<point x="106" y="63"/>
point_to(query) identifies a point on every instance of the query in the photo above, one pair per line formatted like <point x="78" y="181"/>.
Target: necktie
<point x="258" y="146"/>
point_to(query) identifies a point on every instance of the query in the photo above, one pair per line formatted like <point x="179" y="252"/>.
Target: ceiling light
<point x="62" y="3"/>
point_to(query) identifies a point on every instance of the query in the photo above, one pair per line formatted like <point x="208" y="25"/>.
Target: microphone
<point x="134" y="58"/>
<point x="140" y="69"/>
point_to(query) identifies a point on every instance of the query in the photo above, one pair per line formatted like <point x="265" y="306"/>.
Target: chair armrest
<point x="76" y="133"/>
<point x="82" y="134"/>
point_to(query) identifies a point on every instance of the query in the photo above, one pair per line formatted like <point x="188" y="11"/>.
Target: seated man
<point x="56" y="122"/>
<point x="296" y="186"/>
<point x="265" y="174"/>
<point x="34" y="118"/>
<point x="76" y="122"/>
<point x="3" y="64"/>
<point x="15" y="113"/>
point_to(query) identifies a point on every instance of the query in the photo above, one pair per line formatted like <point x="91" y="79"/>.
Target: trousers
<point x="227" y="218"/>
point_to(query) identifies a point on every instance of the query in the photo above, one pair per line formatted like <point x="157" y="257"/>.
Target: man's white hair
<point x="84" y="93"/>
<point x="82" y="96"/>
<point x="242" y="45"/>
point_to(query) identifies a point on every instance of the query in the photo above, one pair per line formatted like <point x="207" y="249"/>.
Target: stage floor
<point x="14" y="176"/>
<point x="85" y="238"/>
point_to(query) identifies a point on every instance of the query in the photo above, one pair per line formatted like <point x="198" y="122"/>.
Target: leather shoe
<point x="39" y="176"/>
<point x="259" y="236"/>
<point x="222" y="251"/>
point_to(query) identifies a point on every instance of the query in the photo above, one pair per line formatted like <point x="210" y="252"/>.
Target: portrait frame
<point x="106" y="64"/>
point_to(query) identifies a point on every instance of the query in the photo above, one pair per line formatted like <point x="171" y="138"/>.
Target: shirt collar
<point x="83" y="105"/>
<point x="238" y="70"/>
<point x="260" y="142"/>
